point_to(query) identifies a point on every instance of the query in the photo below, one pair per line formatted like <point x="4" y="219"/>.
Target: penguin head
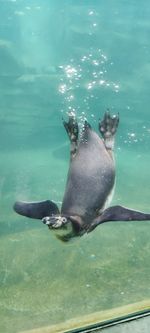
<point x="65" y="227"/>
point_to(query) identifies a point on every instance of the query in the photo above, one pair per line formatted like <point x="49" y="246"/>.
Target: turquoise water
<point x="57" y="56"/>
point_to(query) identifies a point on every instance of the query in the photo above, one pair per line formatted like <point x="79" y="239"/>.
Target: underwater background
<point x="56" y="57"/>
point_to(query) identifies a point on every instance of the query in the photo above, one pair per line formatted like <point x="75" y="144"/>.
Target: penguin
<point x="89" y="186"/>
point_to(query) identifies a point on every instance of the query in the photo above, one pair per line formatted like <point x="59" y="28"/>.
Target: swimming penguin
<point x="89" y="186"/>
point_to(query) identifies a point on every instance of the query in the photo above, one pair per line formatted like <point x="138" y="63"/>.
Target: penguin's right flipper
<point x="119" y="213"/>
<point x="36" y="210"/>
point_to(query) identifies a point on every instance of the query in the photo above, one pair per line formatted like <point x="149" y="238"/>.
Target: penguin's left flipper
<point x="119" y="213"/>
<point x="36" y="210"/>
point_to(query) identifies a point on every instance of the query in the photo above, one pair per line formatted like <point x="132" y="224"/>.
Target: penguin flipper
<point x="36" y="210"/>
<point x="119" y="213"/>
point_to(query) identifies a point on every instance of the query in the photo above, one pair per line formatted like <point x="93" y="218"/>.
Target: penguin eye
<point x="64" y="220"/>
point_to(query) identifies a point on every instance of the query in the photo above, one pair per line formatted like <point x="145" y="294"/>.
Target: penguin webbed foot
<point x="108" y="127"/>
<point x="72" y="128"/>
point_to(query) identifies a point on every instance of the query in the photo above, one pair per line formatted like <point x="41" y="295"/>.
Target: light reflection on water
<point x="88" y="74"/>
